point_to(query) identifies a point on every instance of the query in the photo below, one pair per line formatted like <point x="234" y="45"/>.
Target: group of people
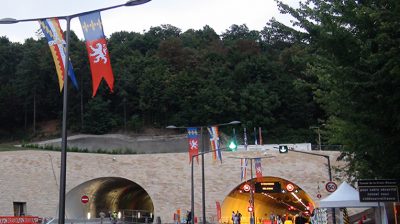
<point x="287" y="219"/>
<point x="236" y="217"/>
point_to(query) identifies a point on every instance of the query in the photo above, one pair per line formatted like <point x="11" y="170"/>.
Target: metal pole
<point x="192" y="203"/>
<point x="251" y="192"/>
<point x="329" y="168"/>
<point x="319" y="139"/>
<point x="203" y="192"/>
<point x="63" y="171"/>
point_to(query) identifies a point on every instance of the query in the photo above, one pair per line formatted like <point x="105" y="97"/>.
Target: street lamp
<point x="329" y="171"/>
<point x="202" y="166"/>
<point x="61" y="210"/>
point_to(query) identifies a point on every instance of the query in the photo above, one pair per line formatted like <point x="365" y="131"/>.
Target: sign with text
<point x="268" y="187"/>
<point x="378" y="190"/>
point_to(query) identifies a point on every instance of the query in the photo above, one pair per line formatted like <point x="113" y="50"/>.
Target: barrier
<point x="19" y="220"/>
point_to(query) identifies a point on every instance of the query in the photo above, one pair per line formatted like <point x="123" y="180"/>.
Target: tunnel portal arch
<point x="108" y="194"/>
<point x="283" y="202"/>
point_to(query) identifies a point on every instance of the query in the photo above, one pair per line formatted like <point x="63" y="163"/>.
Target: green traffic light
<point x="232" y="146"/>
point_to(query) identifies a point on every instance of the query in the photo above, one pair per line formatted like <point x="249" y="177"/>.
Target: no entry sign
<point x="84" y="199"/>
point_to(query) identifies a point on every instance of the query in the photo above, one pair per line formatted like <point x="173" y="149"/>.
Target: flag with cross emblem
<point x="96" y="47"/>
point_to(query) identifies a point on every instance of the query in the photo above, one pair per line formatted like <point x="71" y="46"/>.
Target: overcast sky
<point x="184" y="14"/>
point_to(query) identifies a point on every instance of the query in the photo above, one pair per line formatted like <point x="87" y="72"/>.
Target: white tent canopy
<point x="345" y="197"/>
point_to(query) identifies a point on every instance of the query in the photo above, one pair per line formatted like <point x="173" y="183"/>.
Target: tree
<point x="357" y="61"/>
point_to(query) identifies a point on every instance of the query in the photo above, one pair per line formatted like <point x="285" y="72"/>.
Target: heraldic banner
<point x="54" y="35"/>
<point x="96" y="47"/>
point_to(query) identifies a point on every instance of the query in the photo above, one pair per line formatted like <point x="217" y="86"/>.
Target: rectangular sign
<point x="378" y="190"/>
<point x="268" y="187"/>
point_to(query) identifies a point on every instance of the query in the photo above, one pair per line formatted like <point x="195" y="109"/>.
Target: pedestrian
<point x="188" y="217"/>
<point x="239" y="215"/>
<point x="233" y="217"/>
<point x="236" y="219"/>
<point x="114" y="217"/>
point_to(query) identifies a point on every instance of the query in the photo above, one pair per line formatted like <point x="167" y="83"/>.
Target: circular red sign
<point x="319" y="195"/>
<point x="246" y="187"/>
<point x="330" y="186"/>
<point x="290" y="187"/>
<point x="84" y="199"/>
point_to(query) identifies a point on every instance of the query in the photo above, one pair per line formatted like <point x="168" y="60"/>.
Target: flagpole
<point x="203" y="185"/>
<point x="203" y="194"/>
<point x="63" y="171"/>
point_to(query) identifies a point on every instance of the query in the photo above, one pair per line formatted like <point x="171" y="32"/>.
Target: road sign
<point x="290" y="187"/>
<point x="283" y="149"/>
<point x="268" y="187"/>
<point x="84" y="199"/>
<point x="331" y="186"/>
<point x="246" y="187"/>
<point x="319" y="195"/>
<point x="378" y="190"/>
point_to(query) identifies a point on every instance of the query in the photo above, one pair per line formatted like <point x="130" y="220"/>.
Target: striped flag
<point x="243" y="167"/>
<point x="193" y="139"/>
<point x="214" y="141"/>
<point x="258" y="168"/>
<point x="245" y="139"/>
<point x="96" y="47"/>
<point x="55" y="38"/>
<point x="218" y="205"/>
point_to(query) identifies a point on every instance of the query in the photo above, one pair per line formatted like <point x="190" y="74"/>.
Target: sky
<point x="183" y="14"/>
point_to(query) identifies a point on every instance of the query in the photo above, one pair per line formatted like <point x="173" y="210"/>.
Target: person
<point x="288" y="220"/>
<point x="239" y="215"/>
<point x="233" y="217"/>
<point x="102" y="215"/>
<point x="188" y="217"/>
<point x="114" y="217"/>
<point x="236" y="219"/>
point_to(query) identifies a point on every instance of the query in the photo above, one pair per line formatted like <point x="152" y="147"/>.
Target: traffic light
<point x="283" y="149"/>
<point x="233" y="145"/>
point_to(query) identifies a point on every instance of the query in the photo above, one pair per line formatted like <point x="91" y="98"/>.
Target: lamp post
<point x="61" y="209"/>
<point x="202" y="166"/>
<point x="329" y="171"/>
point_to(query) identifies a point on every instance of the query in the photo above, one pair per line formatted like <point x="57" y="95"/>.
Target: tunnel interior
<point x="109" y="194"/>
<point x="272" y="195"/>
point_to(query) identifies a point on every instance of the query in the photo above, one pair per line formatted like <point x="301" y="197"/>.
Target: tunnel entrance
<point x="109" y="194"/>
<point x="272" y="195"/>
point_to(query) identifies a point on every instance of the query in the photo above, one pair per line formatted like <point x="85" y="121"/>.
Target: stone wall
<point x="33" y="177"/>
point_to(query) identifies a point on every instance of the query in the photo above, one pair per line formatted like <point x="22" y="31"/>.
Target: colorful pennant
<point x="54" y="35"/>
<point x="214" y="141"/>
<point x="96" y="47"/>
<point x="258" y="168"/>
<point x="243" y="167"/>
<point x="193" y="139"/>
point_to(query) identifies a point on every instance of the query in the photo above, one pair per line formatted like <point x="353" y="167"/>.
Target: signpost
<point x="378" y="190"/>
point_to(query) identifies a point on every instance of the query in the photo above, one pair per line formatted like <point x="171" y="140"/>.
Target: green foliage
<point x="163" y="77"/>
<point x="97" y="117"/>
<point x="355" y="56"/>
